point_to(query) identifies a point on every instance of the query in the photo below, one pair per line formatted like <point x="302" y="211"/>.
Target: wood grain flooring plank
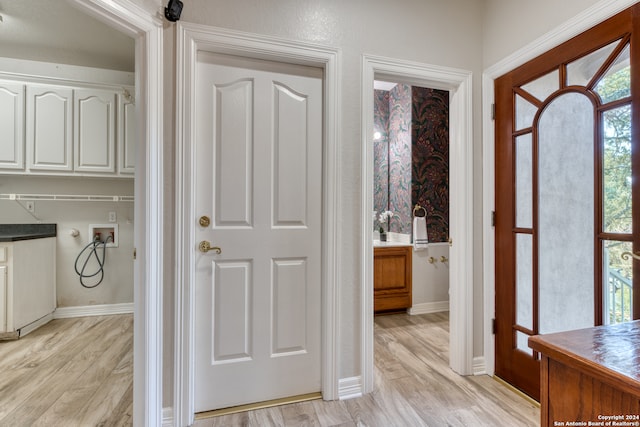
<point x="36" y="376"/>
<point x="331" y="413"/>
<point x="269" y="417"/>
<point x="83" y="386"/>
<point x="80" y="377"/>
<point x="300" y="414"/>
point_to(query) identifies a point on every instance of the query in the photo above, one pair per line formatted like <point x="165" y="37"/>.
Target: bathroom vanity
<point x="27" y="277"/>
<point x="391" y="277"/>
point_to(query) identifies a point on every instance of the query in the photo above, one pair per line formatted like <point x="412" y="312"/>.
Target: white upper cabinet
<point x="94" y="130"/>
<point x="11" y="125"/>
<point x="77" y="121"/>
<point x="49" y="128"/>
<point x="127" y="133"/>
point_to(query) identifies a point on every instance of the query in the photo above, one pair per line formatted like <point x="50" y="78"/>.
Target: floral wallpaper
<point x="411" y="157"/>
<point x="381" y="151"/>
<point x="400" y="159"/>
<point x="430" y="159"/>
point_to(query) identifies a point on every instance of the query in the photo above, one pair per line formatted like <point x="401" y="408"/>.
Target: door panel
<point x="566" y="193"/>
<point x="258" y="174"/>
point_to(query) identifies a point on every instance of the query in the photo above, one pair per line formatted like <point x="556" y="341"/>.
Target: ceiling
<point x="55" y="31"/>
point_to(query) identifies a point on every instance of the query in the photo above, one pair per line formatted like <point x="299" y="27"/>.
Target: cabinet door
<point x="49" y="128"/>
<point x="3" y="298"/>
<point x="127" y="134"/>
<point x="11" y="125"/>
<point x="94" y="130"/>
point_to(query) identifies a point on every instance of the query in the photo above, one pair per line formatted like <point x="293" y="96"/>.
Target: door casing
<point x="147" y="30"/>
<point x="458" y="83"/>
<point x="579" y="24"/>
<point x="192" y="38"/>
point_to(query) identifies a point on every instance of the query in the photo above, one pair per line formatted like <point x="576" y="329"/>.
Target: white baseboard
<point x="429" y="307"/>
<point x="349" y="388"/>
<point x="93" y="310"/>
<point x="167" y="417"/>
<point x="479" y="367"/>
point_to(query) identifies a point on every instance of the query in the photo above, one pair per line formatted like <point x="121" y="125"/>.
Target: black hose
<point x="93" y="246"/>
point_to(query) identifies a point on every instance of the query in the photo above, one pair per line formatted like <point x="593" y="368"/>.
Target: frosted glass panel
<point x="524" y="181"/>
<point x="617" y="170"/>
<point x="581" y="71"/>
<point x="566" y="215"/>
<point x="618" y="282"/>
<point x="524" y="280"/>
<point x="616" y="83"/>
<point x="525" y="111"/>
<point x="522" y="340"/>
<point x="544" y="86"/>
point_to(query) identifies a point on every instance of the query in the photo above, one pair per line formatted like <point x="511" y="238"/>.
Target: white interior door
<point x="259" y="179"/>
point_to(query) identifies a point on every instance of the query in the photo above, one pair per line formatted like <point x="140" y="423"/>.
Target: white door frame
<point x="146" y="29"/>
<point x="577" y="25"/>
<point x="192" y="38"/>
<point x="458" y="83"/>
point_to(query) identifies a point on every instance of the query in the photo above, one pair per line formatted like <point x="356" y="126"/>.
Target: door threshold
<point x="259" y="405"/>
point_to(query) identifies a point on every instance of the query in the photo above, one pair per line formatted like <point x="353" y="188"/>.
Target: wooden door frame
<point x="587" y="19"/>
<point x="146" y="29"/>
<point x="458" y="83"/>
<point x="192" y="38"/>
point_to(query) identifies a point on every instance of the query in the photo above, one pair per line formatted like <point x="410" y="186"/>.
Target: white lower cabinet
<point x="27" y="284"/>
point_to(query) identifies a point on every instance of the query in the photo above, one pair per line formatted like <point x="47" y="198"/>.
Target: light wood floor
<point x="414" y="387"/>
<point x="78" y="372"/>
<point x="70" y="372"/>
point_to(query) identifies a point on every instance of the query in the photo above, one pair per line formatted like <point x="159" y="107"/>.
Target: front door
<point x="567" y="187"/>
<point x="258" y="181"/>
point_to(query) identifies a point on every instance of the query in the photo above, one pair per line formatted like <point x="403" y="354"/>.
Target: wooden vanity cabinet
<point x="391" y="278"/>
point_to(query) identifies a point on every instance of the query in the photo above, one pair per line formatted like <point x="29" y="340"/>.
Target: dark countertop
<point x="15" y="232"/>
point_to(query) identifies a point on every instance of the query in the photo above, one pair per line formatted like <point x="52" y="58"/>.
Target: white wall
<point x="428" y="31"/>
<point x="117" y="286"/>
<point x="430" y="282"/>
<point x="510" y="25"/>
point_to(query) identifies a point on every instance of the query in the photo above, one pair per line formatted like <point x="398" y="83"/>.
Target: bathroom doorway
<point x="411" y="195"/>
<point x="457" y="84"/>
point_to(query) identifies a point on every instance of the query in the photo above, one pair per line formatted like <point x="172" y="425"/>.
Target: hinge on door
<point x="493" y="111"/>
<point x="493" y="218"/>
<point x="134" y="253"/>
<point x="494" y="326"/>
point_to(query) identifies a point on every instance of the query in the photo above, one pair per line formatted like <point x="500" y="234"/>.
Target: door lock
<point x="205" y="247"/>
<point x="204" y="221"/>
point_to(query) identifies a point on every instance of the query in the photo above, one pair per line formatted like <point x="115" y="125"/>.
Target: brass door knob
<point x="205" y="247"/>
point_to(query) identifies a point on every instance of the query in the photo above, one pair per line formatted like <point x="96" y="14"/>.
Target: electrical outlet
<point x="31" y="206"/>
<point x="112" y="217"/>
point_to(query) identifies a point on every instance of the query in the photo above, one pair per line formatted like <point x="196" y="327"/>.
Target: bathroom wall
<point x="117" y="286"/>
<point x="430" y="159"/>
<point x="430" y="279"/>
<point x="381" y="151"/>
<point x="400" y="159"/>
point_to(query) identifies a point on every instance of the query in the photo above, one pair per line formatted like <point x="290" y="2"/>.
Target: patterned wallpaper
<point x="430" y="135"/>
<point x="400" y="159"/>
<point x="381" y="151"/>
<point x="417" y="120"/>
